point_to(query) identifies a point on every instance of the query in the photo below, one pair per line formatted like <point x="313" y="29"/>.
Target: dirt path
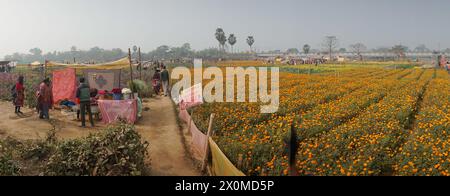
<point x="26" y="127"/>
<point x="167" y="154"/>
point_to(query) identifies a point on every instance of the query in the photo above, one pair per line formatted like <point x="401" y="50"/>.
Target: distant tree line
<point x="97" y="54"/>
<point x="330" y="46"/>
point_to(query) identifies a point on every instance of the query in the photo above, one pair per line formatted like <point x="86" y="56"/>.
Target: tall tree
<point x="250" y="42"/>
<point x="232" y="40"/>
<point x="292" y="51"/>
<point x="306" y="49"/>
<point x="221" y="38"/>
<point x="36" y="51"/>
<point x="422" y="48"/>
<point x="186" y="46"/>
<point x="358" y="49"/>
<point x="330" y="43"/>
<point x="73" y="53"/>
<point x="399" y="51"/>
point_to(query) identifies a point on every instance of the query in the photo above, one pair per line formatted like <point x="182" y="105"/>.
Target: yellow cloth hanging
<point x="121" y="63"/>
<point x="221" y="165"/>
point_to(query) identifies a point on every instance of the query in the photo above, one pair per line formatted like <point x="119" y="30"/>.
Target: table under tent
<point x="111" y="100"/>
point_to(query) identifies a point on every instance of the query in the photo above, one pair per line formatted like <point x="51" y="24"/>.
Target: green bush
<point x="39" y="150"/>
<point x="116" y="152"/>
<point x="140" y="87"/>
<point x="8" y="167"/>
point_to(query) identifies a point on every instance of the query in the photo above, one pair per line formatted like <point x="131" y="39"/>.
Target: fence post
<point x="131" y="72"/>
<point x="140" y="64"/>
<point x="205" y="161"/>
<point x="120" y="78"/>
<point x="45" y="69"/>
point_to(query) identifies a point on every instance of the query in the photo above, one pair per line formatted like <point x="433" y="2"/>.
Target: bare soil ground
<point x="158" y="126"/>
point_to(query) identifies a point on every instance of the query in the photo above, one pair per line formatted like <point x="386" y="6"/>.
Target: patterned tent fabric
<point x="103" y="79"/>
<point x="113" y="111"/>
<point x="221" y="165"/>
<point x="64" y="85"/>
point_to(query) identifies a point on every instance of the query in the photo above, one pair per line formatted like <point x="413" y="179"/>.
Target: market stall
<point x="109" y="102"/>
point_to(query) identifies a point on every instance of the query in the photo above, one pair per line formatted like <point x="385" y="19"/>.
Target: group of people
<point x="5" y="68"/>
<point x="447" y="67"/>
<point x="44" y="98"/>
<point x="161" y="79"/>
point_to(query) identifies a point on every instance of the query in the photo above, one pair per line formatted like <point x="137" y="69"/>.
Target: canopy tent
<point x="121" y="63"/>
<point x="36" y="63"/>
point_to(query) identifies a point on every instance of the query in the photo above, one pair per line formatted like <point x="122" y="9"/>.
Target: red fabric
<point x="45" y="94"/>
<point x="64" y="85"/>
<point x="20" y="99"/>
<point x="19" y="87"/>
<point x="113" y="111"/>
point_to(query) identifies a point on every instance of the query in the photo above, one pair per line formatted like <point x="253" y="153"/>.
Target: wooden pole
<point x="120" y="78"/>
<point x="131" y="71"/>
<point x="205" y="161"/>
<point x="45" y="69"/>
<point x="140" y="64"/>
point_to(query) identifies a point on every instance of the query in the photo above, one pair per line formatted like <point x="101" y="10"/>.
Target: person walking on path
<point x="19" y="95"/>
<point x="165" y="77"/>
<point x="156" y="82"/>
<point x="45" y="99"/>
<point x="84" y="95"/>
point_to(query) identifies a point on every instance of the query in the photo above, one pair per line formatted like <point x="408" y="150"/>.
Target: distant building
<point x="7" y="66"/>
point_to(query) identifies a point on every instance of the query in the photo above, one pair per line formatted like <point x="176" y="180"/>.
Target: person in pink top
<point x="45" y="99"/>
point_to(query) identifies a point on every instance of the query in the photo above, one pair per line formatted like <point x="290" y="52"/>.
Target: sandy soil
<point x="168" y="156"/>
<point x="167" y="151"/>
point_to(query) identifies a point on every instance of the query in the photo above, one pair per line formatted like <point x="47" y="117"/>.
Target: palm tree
<point x="250" y="42"/>
<point x="222" y="38"/>
<point x="232" y="40"/>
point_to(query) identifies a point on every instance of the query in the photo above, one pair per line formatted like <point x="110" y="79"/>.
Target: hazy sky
<point x="276" y="24"/>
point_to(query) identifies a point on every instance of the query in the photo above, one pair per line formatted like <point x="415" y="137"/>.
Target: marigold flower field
<point x="367" y="121"/>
